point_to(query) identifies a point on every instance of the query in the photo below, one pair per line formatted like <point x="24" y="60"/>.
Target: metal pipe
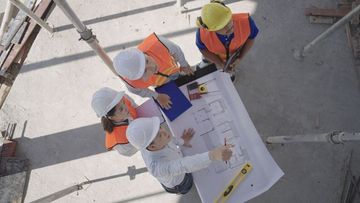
<point x="300" y="54"/>
<point x="32" y="15"/>
<point x="94" y="44"/>
<point x="85" y="33"/>
<point x="6" y="19"/>
<point x="70" y="14"/>
<point x="335" y="137"/>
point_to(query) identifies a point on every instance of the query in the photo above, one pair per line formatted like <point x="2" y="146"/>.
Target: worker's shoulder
<point x="241" y="15"/>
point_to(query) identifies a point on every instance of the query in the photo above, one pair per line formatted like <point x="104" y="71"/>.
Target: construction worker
<point x="163" y="157"/>
<point x="116" y="111"/>
<point x="151" y="64"/>
<point x="222" y="33"/>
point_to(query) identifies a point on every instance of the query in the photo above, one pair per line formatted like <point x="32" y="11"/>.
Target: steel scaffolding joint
<point x="335" y="137"/>
<point x="86" y="35"/>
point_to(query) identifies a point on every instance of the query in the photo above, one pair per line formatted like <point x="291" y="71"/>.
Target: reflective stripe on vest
<point x="154" y="48"/>
<point x="118" y="135"/>
<point x="241" y="34"/>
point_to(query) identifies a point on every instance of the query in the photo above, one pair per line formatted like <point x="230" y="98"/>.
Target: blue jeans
<point x="183" y="188"/>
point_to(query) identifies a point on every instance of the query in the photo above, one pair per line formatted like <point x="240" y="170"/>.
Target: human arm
<point x="178" y="55"/>
<point x="246" y="47"/>
<point x="249" y="42"/>
<point x="163" y="99"/>
<point x="142" y="92"/>
<point x="190" y="163"/>
<point x="175" y="51"/>
<point x="206" y="53"/>
<point x="251" y="39"/>
<point x="125" y="149"/>
<point x="213" y="58"/>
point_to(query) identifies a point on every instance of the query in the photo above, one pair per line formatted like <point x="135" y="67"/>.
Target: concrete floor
<point x="63" y="138"/>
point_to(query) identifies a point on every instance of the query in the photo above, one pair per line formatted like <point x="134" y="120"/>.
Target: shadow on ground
<point x="192" y="196"/>
<point x="63" y="146"/>
<point x="118" y="15"/>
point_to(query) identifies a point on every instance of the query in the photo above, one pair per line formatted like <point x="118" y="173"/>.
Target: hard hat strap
<point x="219" y="2"/>
<point x="202" y="24"/>
<point x="122" y="123"/>
<point x="162" y="74"/>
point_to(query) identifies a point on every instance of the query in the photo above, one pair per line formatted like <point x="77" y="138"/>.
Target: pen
<point x="225" y="145"/>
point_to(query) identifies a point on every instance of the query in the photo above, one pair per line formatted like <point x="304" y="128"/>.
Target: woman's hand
<point x="164" y="101"/>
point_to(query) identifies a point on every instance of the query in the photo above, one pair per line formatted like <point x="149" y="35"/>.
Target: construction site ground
<point x="61" y="136"/>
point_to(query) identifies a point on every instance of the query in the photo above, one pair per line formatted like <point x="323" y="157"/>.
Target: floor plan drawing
<point x="217" y="115"/>
<point x="216" y="126"/>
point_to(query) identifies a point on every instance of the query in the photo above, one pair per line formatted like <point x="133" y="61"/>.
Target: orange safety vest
<point x="241" y="34"/>
<point x="154" y="48"/>
<point x="118" y="135"/>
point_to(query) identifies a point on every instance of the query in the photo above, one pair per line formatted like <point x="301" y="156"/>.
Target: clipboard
<point x="179" y="101"/>
<point x="149" y="109"/>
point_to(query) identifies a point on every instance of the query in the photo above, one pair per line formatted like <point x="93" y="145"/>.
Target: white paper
<point x="217" y="116"/>
<point x="149" y="109"/>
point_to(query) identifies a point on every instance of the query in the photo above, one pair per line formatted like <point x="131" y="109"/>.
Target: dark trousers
<point x="183" y="188"/>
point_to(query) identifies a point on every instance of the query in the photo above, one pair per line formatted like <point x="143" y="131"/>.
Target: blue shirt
<point x="227" y="39"/>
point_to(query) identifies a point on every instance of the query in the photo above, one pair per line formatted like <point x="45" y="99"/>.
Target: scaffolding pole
<point x="85" y="33"/>
<point x="335" y="137"/>
<point x="300" y="54"/>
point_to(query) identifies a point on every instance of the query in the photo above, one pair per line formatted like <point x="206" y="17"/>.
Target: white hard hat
<point x="104" y="100"/>
<point x="130" y="63"/>
<point x="142" y="131"/>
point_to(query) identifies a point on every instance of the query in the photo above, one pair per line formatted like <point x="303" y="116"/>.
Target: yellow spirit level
<point x="234" y="183"/>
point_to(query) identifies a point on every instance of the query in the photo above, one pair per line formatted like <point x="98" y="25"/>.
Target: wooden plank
<point x="313" y="11"/>
<point x="321" y="20"/>
<point x="19" y="35"/>
<point x="43" y="9"/>
<point x="16" y="40"/>
<point x="345" y="2"/>
<point x="15" y="25"/>
<point x="4" y="55"/>
<point x="6" y="82"/>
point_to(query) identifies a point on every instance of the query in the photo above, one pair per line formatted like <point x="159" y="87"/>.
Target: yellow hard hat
<point x="214" y="16"/>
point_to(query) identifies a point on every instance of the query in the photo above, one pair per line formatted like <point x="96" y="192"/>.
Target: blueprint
<point x="215" y="126"/>
<point x="218" y="117"/>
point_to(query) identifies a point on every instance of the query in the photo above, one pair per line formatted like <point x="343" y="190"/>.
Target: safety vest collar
<point x="118" y="135"/>
<point x="241" y="34"/>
